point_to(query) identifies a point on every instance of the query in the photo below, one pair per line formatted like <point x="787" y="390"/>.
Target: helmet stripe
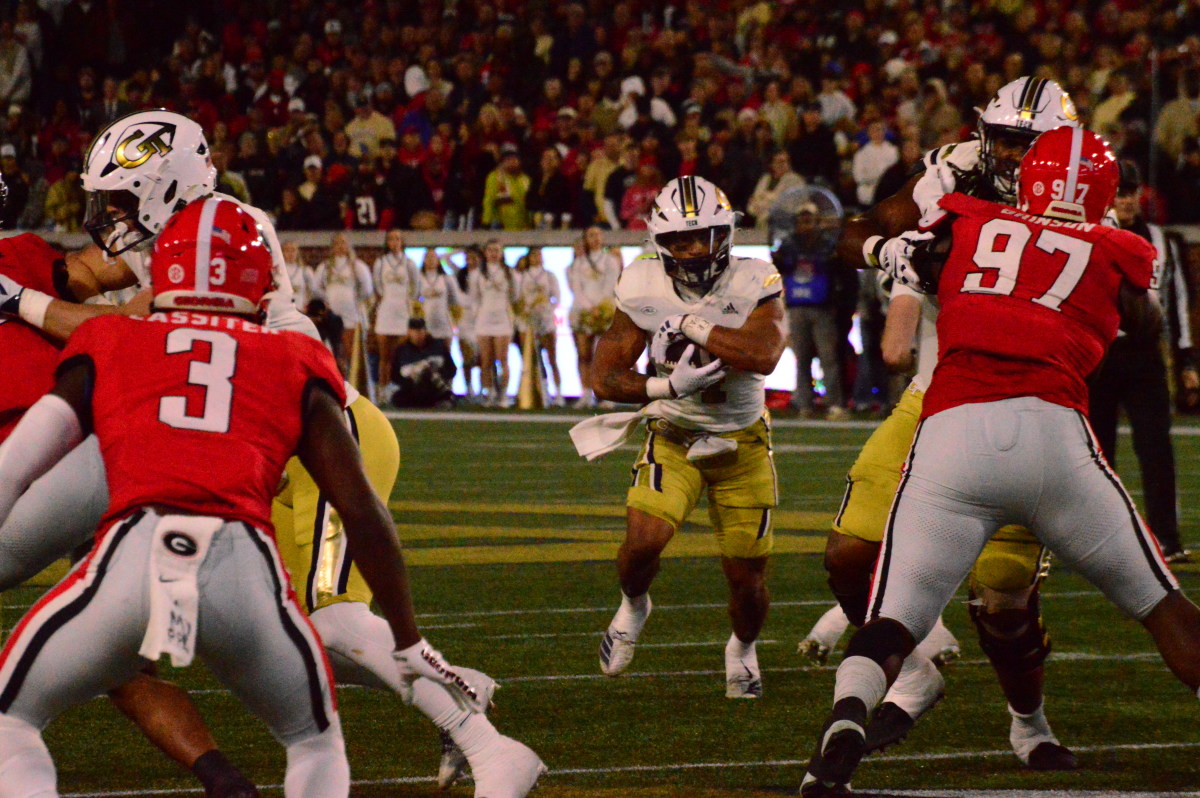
<point x="1037" y="96"/>
<point x="1073" y="167"/>
<point x="204" y="242"/>
<point x="690" y="206"/>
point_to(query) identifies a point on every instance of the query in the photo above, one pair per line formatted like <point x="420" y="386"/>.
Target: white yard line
<point x="568" y="418"/>
<point x="822" y="602"/>
<point x="1060" y="657"/>
<point x="778" y="763"/>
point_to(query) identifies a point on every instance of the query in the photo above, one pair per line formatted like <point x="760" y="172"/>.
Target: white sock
<point x="360" y="644"/>
<point x="830" y="628"/>
<point x="1029" y="731"/>
<point x="736" y="649"/>
<point x="861" y="678"/>
<point x="632" y="614"/>
<point x="26" y="769"/>
<point x="317" y="767"/>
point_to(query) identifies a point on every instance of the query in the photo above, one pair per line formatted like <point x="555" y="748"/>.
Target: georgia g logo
<point x="180" y="544"/>
<point x="140" y="143"/>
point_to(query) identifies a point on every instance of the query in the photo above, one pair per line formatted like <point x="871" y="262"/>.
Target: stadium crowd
<point x="504" y="115"/>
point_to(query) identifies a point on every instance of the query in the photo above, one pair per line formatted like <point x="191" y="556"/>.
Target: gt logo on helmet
<point x="153" y="143"/>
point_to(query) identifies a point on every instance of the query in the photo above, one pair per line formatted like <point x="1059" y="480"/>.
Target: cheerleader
<point x="493" y="293"/>
<point x="300" y="275"/>
<point x="468" y="342"/>
<point x="396" y="285"/>
<point x="592" y="277"/>
<point x="538" y="294"/>
<point x="438" y="291"/>
<point x="344" y="282"/>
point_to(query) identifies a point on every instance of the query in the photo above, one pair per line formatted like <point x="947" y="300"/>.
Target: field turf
<point x="511" y="538"/>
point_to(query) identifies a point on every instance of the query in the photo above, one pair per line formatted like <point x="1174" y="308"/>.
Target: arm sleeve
<point x="1136" y="258"/>
<point x="555" y="288"/>
<point x="46" y="433"/>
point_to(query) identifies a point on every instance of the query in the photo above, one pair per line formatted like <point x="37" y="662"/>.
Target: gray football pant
<point x="82" y="638"/>
<point x="58" y="513"/>
<point x="977" y="467"/>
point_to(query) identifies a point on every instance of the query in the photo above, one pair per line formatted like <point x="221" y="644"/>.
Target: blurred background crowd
<point x="499" y="114"/>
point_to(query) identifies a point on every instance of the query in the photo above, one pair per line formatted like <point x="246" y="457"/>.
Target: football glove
<point x="668" y="333"/>
<point x="894" y="256"/>
<point x="422" y="660"/>
<point x="687" y="379"/>
<point x="10" y="296"/>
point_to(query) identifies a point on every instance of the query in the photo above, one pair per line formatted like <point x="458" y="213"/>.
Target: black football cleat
<point x="888" y="727"/>
<point x="1052" y="756"/>
<point x="842" y="747"/>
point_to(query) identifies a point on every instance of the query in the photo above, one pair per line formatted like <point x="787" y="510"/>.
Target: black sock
<point x="214" y="771"/>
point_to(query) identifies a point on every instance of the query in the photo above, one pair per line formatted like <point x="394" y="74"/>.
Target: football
<point x="700" y="356"/>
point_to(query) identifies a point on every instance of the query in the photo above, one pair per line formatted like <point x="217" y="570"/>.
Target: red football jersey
<point x="198" y="411"/>
<point x="1028" y="304"/>
<point x="27" y="357"/>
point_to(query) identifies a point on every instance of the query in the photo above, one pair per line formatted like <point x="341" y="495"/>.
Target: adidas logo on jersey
<point x="729" y="308"/>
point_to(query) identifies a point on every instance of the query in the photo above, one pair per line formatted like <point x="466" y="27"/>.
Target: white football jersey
<point x="926" y="337"/>
<point x="647" y="295"/>
<point x="943" y="167"/>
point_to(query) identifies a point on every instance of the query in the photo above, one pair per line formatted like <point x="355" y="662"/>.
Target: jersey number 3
<point x="214" y="375"/>
<point x="1005" y="262"/>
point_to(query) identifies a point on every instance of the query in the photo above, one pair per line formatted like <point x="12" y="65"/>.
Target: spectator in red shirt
<point x="639" y="197"/>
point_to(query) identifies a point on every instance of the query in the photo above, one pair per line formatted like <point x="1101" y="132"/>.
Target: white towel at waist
<point x="178" y="550"/>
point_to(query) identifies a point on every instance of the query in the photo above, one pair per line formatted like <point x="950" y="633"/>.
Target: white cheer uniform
<point x="396" y="284"/>
<point x="344" y="284"/>
<point x="592" y="278"/>
<point x="538" y="293"/>
<point x="493" y="292"/>
<point x="436" y="293"/>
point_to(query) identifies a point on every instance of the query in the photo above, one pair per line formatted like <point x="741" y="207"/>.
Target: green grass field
<point x="512" y="537"/>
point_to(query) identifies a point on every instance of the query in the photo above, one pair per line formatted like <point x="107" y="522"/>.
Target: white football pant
<point x="82" y="639"/>
<point x="976" y="467"/>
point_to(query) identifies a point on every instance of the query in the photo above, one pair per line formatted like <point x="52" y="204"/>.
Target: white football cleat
<point x="507" y="769"/>
<point x="743" y="679"/>
<point x="824" y="636"/>
<point x="940" y="645"/>
<point x="616" y="648"/>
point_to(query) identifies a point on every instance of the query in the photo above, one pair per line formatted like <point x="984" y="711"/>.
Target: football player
<point x="1030" y="300"/>
<point x="169" y="397"/>
<point x="716" y="327"/>
<point x="49" y="521"/>
<point x="130" y="199"/>
<point x="1004" y="583"/>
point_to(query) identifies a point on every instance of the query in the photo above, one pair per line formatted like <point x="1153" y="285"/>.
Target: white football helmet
<point x="140" y="170"/>
<point x="1017" y="114"/>
<point x="692" y="217"/>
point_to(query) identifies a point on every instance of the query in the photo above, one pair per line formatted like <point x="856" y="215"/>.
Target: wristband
<point x="870" y="251"/>
<point x="696" y="328"/>
<point x="659" y="388"/>
<point x="33" y="306"/>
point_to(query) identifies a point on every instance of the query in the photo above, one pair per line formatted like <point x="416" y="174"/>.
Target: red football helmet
<point x="1069" y="173"/>
<point x="211" y="257"/>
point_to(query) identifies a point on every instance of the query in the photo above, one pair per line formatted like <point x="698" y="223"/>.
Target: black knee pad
<point x="853" y="602"/>
<point x="1013" y="639"/>
<point x="881" y="640"/>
